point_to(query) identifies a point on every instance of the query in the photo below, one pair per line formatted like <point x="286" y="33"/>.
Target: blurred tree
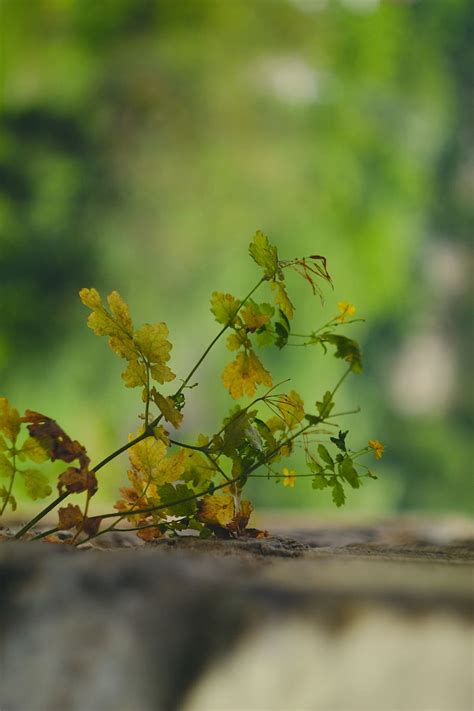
<point x="141" y="133"/>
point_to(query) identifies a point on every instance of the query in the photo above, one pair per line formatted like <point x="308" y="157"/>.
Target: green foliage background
<point x="142" y="143"/>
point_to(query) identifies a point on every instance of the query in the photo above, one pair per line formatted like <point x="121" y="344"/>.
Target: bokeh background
<point x="142" y="143"/>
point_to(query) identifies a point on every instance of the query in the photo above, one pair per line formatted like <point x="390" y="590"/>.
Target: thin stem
<point x="189" y="446"/>
<point x="217" y="466"/>
<point x="41" y="514"/>
<point x="342" y="414"/>
<point x="84" y="517"/>
<point x="277" y="476"/>
<point x="216" y="338"/>
<point x="123" y="448"/>
<point x="147" y="402"/>
<point x="262" y="398"/>
<point x="198" y="495"/>
<point x="45" y="533"/>
<point x="65" y="494"/>
<point x="148" y="432"/>
<point x="127" y="513"/>
<point x="10" y="488"/>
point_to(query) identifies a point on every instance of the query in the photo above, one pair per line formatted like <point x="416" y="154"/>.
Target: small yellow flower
<point x="378" y="448"/>
<point x="346" y="309"/>
<point x="289" y="477"/>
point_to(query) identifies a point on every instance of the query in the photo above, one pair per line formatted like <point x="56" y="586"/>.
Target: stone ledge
<point x="294" y="623"/>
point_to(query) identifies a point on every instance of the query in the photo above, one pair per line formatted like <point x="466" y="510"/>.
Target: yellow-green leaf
<point x="9" y="420"/>
<point x="7" y="498"/>
<point x="167" y="408"/>
<point x="120" y="312"/>
<point x="135" y="374"/>
<point x="33" y="450"/>
<point x="243" y="375"/>
<point x="224" y="307"/>
<point x="255" y="316"/>
<point x="116" y="324"/>
<point x="237" y="340"/>
<point x="149" y="458"/>
<point x="283" y="300"/>
<point x="153" y="343"/>
<point x="36" y="483"/>
<point x="265" y="254"/>
<point x="6" y="466"/>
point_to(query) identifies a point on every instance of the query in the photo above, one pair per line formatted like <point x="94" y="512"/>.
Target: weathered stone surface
<point x="331" y="619"/>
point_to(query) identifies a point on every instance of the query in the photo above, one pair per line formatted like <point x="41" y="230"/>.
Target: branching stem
<point x="149" y="427"/>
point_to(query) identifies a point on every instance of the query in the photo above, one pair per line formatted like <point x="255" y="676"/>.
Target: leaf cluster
<point x="175" y="486"/>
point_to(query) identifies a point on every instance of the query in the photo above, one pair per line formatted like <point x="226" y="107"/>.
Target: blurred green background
<point x="143" y="142"/>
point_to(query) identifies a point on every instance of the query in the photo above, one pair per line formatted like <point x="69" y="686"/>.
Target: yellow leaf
<point x="161" y="373"/>
<point x="217" y="510"/>
<point x="149" y="458"/>
<point x="161" y="434"/>
<point x="243" y="375"/>
<point x="135" y="374"/>
<point x="253" y="317"/>
<point x="237" y="340"/>
<point x="283" y="300"/>
<point x="9" y="420"/>
<point x="146" y="455"/>
<point x="167" y="408"/>
<point x="275" y="423"/>
<point x="224" y="307"/>
<point x="153" y="343"/>
<point x="91" y="298"/>
<point x="120" y="312"/>
<point x="124" y="347"/>
<point x="146" y="348"/>
<point x="291" y="407"/>
<point x="171" y="468"/>
<point x="117" y="324"/>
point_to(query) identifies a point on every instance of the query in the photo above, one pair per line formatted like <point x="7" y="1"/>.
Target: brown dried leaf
<point x="70" y="516"/>
<point x="54" y="440"/>
<point x="91" y="525"/>
<point x="75" y="480"/>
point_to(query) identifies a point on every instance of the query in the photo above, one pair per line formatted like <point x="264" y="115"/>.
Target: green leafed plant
<point x="198" y="486"/>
